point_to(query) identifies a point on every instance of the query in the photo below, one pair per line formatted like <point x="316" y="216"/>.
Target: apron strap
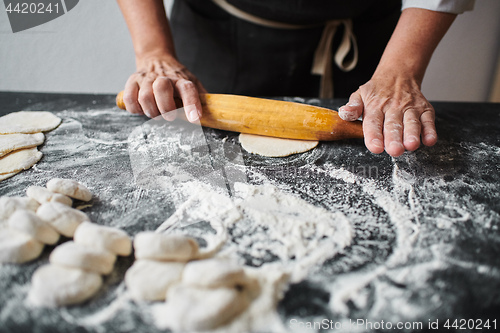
<point x="322" y="64"/>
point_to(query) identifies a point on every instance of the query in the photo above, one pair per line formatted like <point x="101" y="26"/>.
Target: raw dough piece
<point x="151" y="245"/>
<point x="30" y="224"/>
<point x="63" y="218"/>
<point x="149" y="280"/>
<point x="274" y="147"/>
<point x="11" y="142"/>
<point x="75" y="255"/>
<point x="214" y="273"/>
<point x="70" y="188"/>
<point x="16" y="247"/>
<point x="53" y="285"/>
<point x="105" y="238"/>
<point x="7" y="175"/>
<point x="19" y="160"/>
<point x="43" y="195"/>
<point x="8" y="205"/>
<point x="191" y="309"/>
<point x="28" y="122"/>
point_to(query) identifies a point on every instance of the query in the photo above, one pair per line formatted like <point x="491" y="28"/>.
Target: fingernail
<point x="430" y="137"/>
<point x="192" y="113"/>
<point x="395" y="145"/>
<point x="411" y="139"/>
<point x="354" y="103"/>
<point x="378" y="143"/>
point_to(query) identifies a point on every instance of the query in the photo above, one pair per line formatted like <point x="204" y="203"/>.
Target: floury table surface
<point x="425" y="243"/>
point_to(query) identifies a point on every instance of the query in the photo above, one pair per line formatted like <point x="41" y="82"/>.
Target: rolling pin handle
<point x="119" y="100"/>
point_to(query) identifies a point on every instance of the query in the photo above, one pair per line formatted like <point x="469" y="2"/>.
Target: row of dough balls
<point x="75" y="269"/>
<point x="28" y="223"/>
<point x="20" y="134"/>
<point x="200" y="294"/>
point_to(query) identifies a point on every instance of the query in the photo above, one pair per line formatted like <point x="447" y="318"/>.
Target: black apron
<point x="230" y="55"/>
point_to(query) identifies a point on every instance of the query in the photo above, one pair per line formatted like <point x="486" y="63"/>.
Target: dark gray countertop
<point x="426" y="242"/>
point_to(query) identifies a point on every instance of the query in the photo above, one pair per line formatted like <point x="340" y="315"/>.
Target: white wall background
<point x="88" y="50"/>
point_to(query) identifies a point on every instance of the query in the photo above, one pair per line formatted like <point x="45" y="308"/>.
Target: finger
<point x="130" y="96"/>
<point x="353" y="109"/>
<point x="429" y="134"/>
<point x="373" y="121"/>
<point x="163" y="91"/>
<point x="411" y="130"/>
<point x="393" y="133"/>
<point x="190" y="99"/>
<point x="147" y="98"/>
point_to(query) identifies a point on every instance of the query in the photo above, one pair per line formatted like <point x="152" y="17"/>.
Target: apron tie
<point x="322" y="64"/>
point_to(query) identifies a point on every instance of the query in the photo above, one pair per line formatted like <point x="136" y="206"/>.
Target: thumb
<point x="353" y="109"/>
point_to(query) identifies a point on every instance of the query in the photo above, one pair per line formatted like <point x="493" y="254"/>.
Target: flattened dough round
<point x="69" y="187"/>
<point x="11" y="142"/>
<point x="16" y="247"/>
<point x="30" y="224"/>
<point x="274" y="147"/>
<point x="28" y="122"/>
<point x="53" y="286"/>
<point x="104" y="238"/>
<point x="19" y="160"/>
<point x="89" y="259"/>
<point x="8" y="175"/>
<point x="149" y="280"/>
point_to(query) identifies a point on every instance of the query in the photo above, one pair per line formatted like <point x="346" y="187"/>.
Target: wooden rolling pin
<point x="272" y="118"/>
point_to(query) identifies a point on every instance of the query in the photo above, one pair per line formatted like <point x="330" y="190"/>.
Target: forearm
<point x="149" y="28"/>
<point x="413" y="42"/>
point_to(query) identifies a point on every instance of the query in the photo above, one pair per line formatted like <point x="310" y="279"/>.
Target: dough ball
<point x="149" y="280"/>
<point x="16" y="247"/>
<point x="43" y="195"/>
<point x="28" y="122"/>
<point x="30" y="224"/>
<point x="151" y="245"/>
<point x="274" y="147"/>
<point x="53" y="286"/>
<point x="69" y="187"/>
<point x="105" y="238"/>
<point x="89" y="259"/>
<point x="214" y="273"/>
<point x="8" y="205"/>
<point x="63" y="218"/>
<point x="191" y="309"/>
<point x="11" y="142"/>
<point x="19" y="160"/>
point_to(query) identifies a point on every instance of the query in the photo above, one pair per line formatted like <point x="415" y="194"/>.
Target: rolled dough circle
<point x="53" y="286"/>
<point x="19" y="160"/>
<point x="274" y="147"/>
<point x="149" y="280"/>
<point x="17" y="247"/>
<point x="89" y="259"/>
<point x="30" y="224"/>
<point x="28" y="122"/>
<point x="11" y="142"/>
<point x="104" y="238"/>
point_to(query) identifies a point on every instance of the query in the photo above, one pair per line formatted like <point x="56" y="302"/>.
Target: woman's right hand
<point x="151" y="90"/>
